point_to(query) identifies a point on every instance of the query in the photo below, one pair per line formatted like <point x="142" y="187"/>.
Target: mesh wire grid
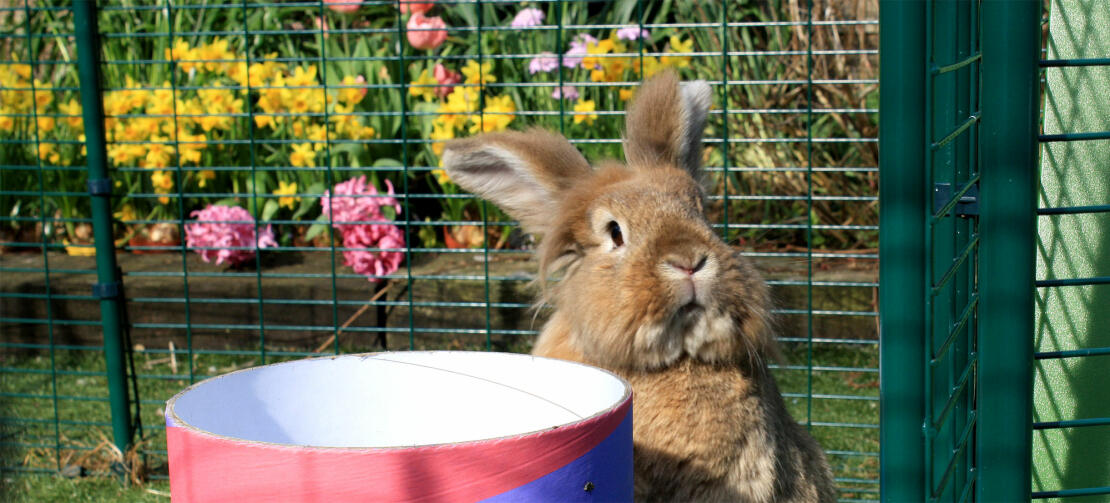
<point x="1069" y="421"/>
<point x="265" y="106"/>
<point x="952" y="240"/>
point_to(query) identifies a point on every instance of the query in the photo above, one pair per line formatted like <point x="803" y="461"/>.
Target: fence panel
<point x="957" y="249"/>
<point x="231" y="127"/>
<point x="1071" y="437"/>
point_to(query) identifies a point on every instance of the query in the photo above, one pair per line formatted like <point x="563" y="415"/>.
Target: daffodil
<point x="72" y="108"/>
<point x="353" y="90"/>
<point x="48" y="153"/>
<point x="441" y="176"/>
<point x="45" y="123"/>
<point x="478" y="74"/>
<point x="678" y="46"/>
<point x="424" y="85"/>
<point x="303" y="156"/>
<point x="158" y="153"/>
<point x="205" y="176"/>
<point x="496" y="116"/>
<point x="163" y="184"/>
<point x="441" y="132"/>
<point x="286" y="191"/>
<point x="647" y="66"/>
<point x="162" y="180"/>
<point x="583" y="112"/>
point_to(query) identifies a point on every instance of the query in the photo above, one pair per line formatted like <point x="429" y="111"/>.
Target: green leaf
<point x="469" y="12"/>
<point x="314" y="230"/>
<point x="269" y="209"/>
<point x="387" y="162"/>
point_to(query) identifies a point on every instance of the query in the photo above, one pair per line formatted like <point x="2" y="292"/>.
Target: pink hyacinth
<point x="528" y="17"/>
<point x="577" y="50"/>
<point x="226" y="234"/>
<point x="355" y="210"/>
<point x="373" y="263"/>
<point x="631" y="33"/>
<point x="566" y="92"/>
<point x="545" y="62"/>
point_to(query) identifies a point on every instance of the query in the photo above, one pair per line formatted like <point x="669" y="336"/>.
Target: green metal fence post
<point x="108" y="287"/>
<point x="1010" y="46"/>
<point x="903" y="203"/>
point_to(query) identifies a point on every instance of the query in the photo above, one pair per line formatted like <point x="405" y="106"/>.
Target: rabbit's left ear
<point x="524" y="173"/>
<point x="665" y="123"/>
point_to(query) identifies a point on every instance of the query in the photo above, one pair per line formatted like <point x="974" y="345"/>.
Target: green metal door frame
<point x="997" y="381"/>
<point x="1011" y="52"/>
<point x="902" y="201"/>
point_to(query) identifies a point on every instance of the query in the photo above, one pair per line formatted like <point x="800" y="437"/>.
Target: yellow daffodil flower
<point x="583" y="112"/>
<point x="478" y="74"/>
<point x="424" y="85"/>
<point x="286" y="191"/>
<point x="303" y="156"/>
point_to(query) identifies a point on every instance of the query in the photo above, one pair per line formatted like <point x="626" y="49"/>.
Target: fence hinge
<point x="100" y="186"/>
<point x="967" y="206"/>
<point x="106" y="290"/>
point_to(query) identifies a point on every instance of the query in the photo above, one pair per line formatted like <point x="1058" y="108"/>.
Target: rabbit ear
<point x="665" y="122"/>
<point x="522" y="172"/>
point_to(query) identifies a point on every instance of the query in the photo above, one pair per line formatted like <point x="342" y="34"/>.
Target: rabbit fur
<point x="650" y="292"/>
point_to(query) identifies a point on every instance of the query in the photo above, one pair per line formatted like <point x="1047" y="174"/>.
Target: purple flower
<point x="528" y="17"/>
<point x="568" y="92"/>
<point x="577" y="50"/>
<point x="631" y="33"/>
<point x="545" y="62"/>
<point x="226" y="233"/>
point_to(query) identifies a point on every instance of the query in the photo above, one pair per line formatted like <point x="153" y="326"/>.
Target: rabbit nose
<point x="684" y="265"/>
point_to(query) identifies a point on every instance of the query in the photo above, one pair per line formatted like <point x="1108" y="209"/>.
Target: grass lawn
<point x="44" y="431"/>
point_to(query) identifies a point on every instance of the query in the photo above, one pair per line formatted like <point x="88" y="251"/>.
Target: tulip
<point x="446" y="79"/>
<point x="426" y="32"/>
<point x="408" y="6"/>
<point x="343" y="6"/>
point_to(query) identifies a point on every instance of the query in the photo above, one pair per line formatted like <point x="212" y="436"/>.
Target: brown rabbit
<point x="651" y="293"/>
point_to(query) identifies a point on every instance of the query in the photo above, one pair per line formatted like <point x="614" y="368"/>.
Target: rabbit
<point x="650" y="292"/>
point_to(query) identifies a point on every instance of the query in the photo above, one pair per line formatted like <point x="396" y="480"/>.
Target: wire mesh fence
<point x="276" y="190"/>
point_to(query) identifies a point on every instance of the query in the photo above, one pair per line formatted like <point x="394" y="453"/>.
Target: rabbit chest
<point x="702" y="432"/>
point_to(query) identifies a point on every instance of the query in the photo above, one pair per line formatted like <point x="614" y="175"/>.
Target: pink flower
<point x="426" y="32"/>
<point x="631" y="33"/>
<point x="577" y="50"/>
<point x="527" y="18"/>
<point x="373" y="264"/>
<point x="226" y="233"/>
<point x="415" y="7"/>
<point x="355" y="210"/>
<point x="568" y="92"/>
<point x="446" y="78"/>
<point x="545" y="62"/>
<point x="322" y="26"/>
<point x="343" y="6"/>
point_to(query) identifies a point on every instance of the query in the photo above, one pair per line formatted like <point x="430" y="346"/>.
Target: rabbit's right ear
<point x="665" y="122"/>
<point x="521" y="172"/>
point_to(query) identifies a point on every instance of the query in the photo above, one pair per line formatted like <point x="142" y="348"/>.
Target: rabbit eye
<point x="615" y="234"/>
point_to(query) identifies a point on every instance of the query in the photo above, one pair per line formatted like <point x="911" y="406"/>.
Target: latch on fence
<point x="967" y="206"/>
<point x="100" y="186"/>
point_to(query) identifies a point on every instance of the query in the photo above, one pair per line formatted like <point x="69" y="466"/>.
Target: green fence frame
<point x="129" y="410"/>
<point x="958" y="150"/>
